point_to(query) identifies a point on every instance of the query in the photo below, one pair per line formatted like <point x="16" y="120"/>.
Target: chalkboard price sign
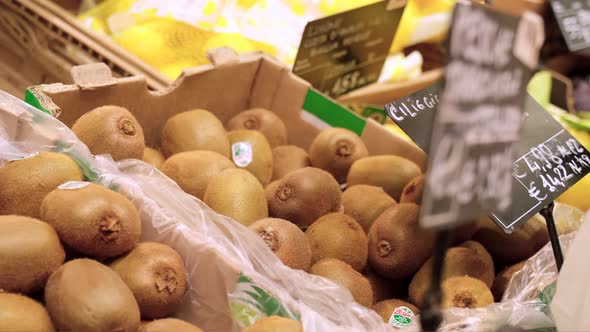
<point x="346" y="51"/>
<point x="479" y="119"/>
<point x="573" y="17"/>
<point x="548" y="160"/>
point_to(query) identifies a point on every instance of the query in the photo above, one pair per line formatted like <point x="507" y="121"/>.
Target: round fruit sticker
<point x="401" y="317"/>
<point x="241" y="153"/>
<point x="73" y="185"/>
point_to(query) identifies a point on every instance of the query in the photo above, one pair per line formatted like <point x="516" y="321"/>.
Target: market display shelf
<point x="48" y="37"/>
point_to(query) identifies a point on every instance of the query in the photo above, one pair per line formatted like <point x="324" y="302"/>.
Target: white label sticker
<point x="73" y="185"/>
<point x="401" y="317"/>
<point x="241" y="153"/>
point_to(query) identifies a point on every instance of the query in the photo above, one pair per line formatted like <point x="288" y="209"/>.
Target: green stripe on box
<point x="332" y="113"/>
<point x="32" y="100"/>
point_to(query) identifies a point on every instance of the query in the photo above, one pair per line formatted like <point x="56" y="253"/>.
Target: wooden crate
<point x="40" y="42"/>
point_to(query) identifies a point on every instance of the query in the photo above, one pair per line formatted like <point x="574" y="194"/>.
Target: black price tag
<point x="473" y="138"/>
<point x="346" y="51"/>
<point x="549" y="159"/>
<point x="414" y="114"/>
<point x="573" y="17"/>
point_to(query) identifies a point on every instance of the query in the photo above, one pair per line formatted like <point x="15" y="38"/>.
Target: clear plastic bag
<point x="224" y="259"/>
<point x="525" y="303"/>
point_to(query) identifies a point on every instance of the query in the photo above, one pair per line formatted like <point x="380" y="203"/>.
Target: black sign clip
<point x="547" y="213"/>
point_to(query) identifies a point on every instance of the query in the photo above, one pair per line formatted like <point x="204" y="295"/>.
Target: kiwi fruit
<point x="365" y="203"/>
<point x="237" y="194"/>
<point x="19" y="313"/>
<point x="483" y="253"/>
<point x="386" y="308"/>
<point x="168" y="325"/>
<point x="194" y="130"/>
<point x="92" y="220"/>
<point x="507" y="249"/>
<point x="464" y="232"/>
<point x="459" y="261"/>
<point x="262" y="120"/>
<point x="335" y="150"/>
<point x="156" y="275"/>
<point x="412" y="192"/>
<point x="503" y="280"/>
<point x="304" y="195"/>
<point x="337" y="235"/>
<point x="153" y="157"/>
<point x="384" y="289"/>
<point x="111" y="130"/>
<point x="270" y="188"/>
<point x="29" y="252"/>
<point x="287" y="158"/>
<point x="286" y="240"/>
<point x="275" y="324"/>
<point x="25" y="182"/>
<point x="250" y="151"/>
<point x="84" y="295"/>
<point x="392" y="173"/>
<point x="397" y="245"/>
<point x="465" y="292"/>
<point x="347" y="277"/>
<point x="192" y="170"/>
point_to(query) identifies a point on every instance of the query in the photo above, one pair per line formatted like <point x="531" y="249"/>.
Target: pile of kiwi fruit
<point x="332" y="210"/>
<point x="71" y="257"/>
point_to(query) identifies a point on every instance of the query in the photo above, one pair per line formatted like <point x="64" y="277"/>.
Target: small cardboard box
<point x="231" y="84"/>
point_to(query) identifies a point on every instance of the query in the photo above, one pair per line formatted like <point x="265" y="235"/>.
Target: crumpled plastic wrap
<point x="218" y="252"/>
<point x="525" y="303"/>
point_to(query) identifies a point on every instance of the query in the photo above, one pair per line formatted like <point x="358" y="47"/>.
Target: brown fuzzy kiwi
<point x="304" y="195"/>
<point x="156" y="275"/>
<point x="344" y="275"/>
<point x="19" y="314"/>
<point x="269" y="190"/>
<point x="275" y="324"/>
<point x="262" y="120"/>
<point x="153" y="157"/>
<point x="25" y="182"/>
<point x="29" y="252"/>
<point x="260" y="162"/>
<point x="365" y="203"/>
<point x="192" y="170"/>
<point x="111" y="130"/>
<point x="483" y="253"/>
<point x="465" y="292"/>
<point x="84" y="295"/>
<point x="168" y="324"/>
<point x="508" y="249"/>
<point x="503" y="279"/>
<point x="194" y="130"/>
<point x="384" y="289"/>
<point x="93" y="220"/>
<point x="286" y="159"/>
<point x="386" y="308"/>
<point x="392" y="173"/>
<point x="464" y="232"/>
<point x="237" y="194"/>
<point x="413" y="190"/>
<point x="337" y="235"/>
<point x="397" y="245"/>
<point x="335" y="150"/>
<point x="459" y="261"/>
<point x="286" y="240"/>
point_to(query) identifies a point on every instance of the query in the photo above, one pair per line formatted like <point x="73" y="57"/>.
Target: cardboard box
<point x="383" y="93"/>
<point x="228" y="86"/>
